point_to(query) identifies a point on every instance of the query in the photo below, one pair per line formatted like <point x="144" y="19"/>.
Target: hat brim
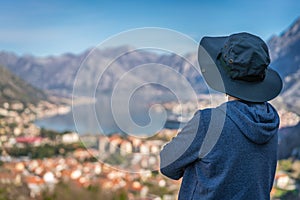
<point x="216" y="77"/>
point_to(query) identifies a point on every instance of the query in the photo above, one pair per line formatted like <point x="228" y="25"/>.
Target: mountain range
<point x="57" y="73"/>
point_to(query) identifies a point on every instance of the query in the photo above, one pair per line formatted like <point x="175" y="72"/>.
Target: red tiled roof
<point x="28" y="139"/>
<point x="34" y="180"/>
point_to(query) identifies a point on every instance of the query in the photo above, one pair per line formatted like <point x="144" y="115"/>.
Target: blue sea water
<point x="87" y="123"/>
<point x="138" y="116"/>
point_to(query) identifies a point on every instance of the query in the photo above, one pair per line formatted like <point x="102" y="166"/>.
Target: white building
<point x="125" y="148"/>
<point x="70" y="138"/>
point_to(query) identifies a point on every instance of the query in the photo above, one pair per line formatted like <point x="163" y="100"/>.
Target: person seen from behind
<point x="229" y="152"/>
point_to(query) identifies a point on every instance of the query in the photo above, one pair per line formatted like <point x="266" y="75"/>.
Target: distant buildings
<point x="109" y="164"/>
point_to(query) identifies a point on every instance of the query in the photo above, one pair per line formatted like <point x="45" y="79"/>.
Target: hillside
<point x="285" y="55"/>
<point x="14" y="89"/>
<point x="289" y="140"/>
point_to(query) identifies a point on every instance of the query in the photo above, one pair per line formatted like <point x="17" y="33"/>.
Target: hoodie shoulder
<point x="259" y="122"/>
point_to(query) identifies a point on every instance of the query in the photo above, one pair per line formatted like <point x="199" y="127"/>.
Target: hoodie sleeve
<point x="183" y="149"/>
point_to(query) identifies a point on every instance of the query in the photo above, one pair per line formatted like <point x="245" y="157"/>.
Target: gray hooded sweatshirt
<point x="241" y="164"/>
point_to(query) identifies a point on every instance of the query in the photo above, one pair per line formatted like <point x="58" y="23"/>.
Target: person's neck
<point x="231" y="98"/>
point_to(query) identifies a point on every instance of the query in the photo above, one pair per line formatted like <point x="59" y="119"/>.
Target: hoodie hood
<point x="259" y="122"/>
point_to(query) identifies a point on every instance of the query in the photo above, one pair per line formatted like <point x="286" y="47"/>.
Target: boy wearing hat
<point x="229" y="152"/>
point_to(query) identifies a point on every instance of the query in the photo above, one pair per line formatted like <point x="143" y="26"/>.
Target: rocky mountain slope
<point x="289" y="141"/>
<point x="285" y="53"/>
<point x="14" y="89"/>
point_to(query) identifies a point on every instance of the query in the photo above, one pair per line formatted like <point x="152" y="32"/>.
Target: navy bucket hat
<point x="239" y="66"/>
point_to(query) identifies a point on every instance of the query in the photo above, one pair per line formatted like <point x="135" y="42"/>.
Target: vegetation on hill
<point x="14" y="89"/>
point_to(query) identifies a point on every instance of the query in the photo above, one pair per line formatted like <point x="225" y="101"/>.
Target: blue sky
<point x="55" y="27"/>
